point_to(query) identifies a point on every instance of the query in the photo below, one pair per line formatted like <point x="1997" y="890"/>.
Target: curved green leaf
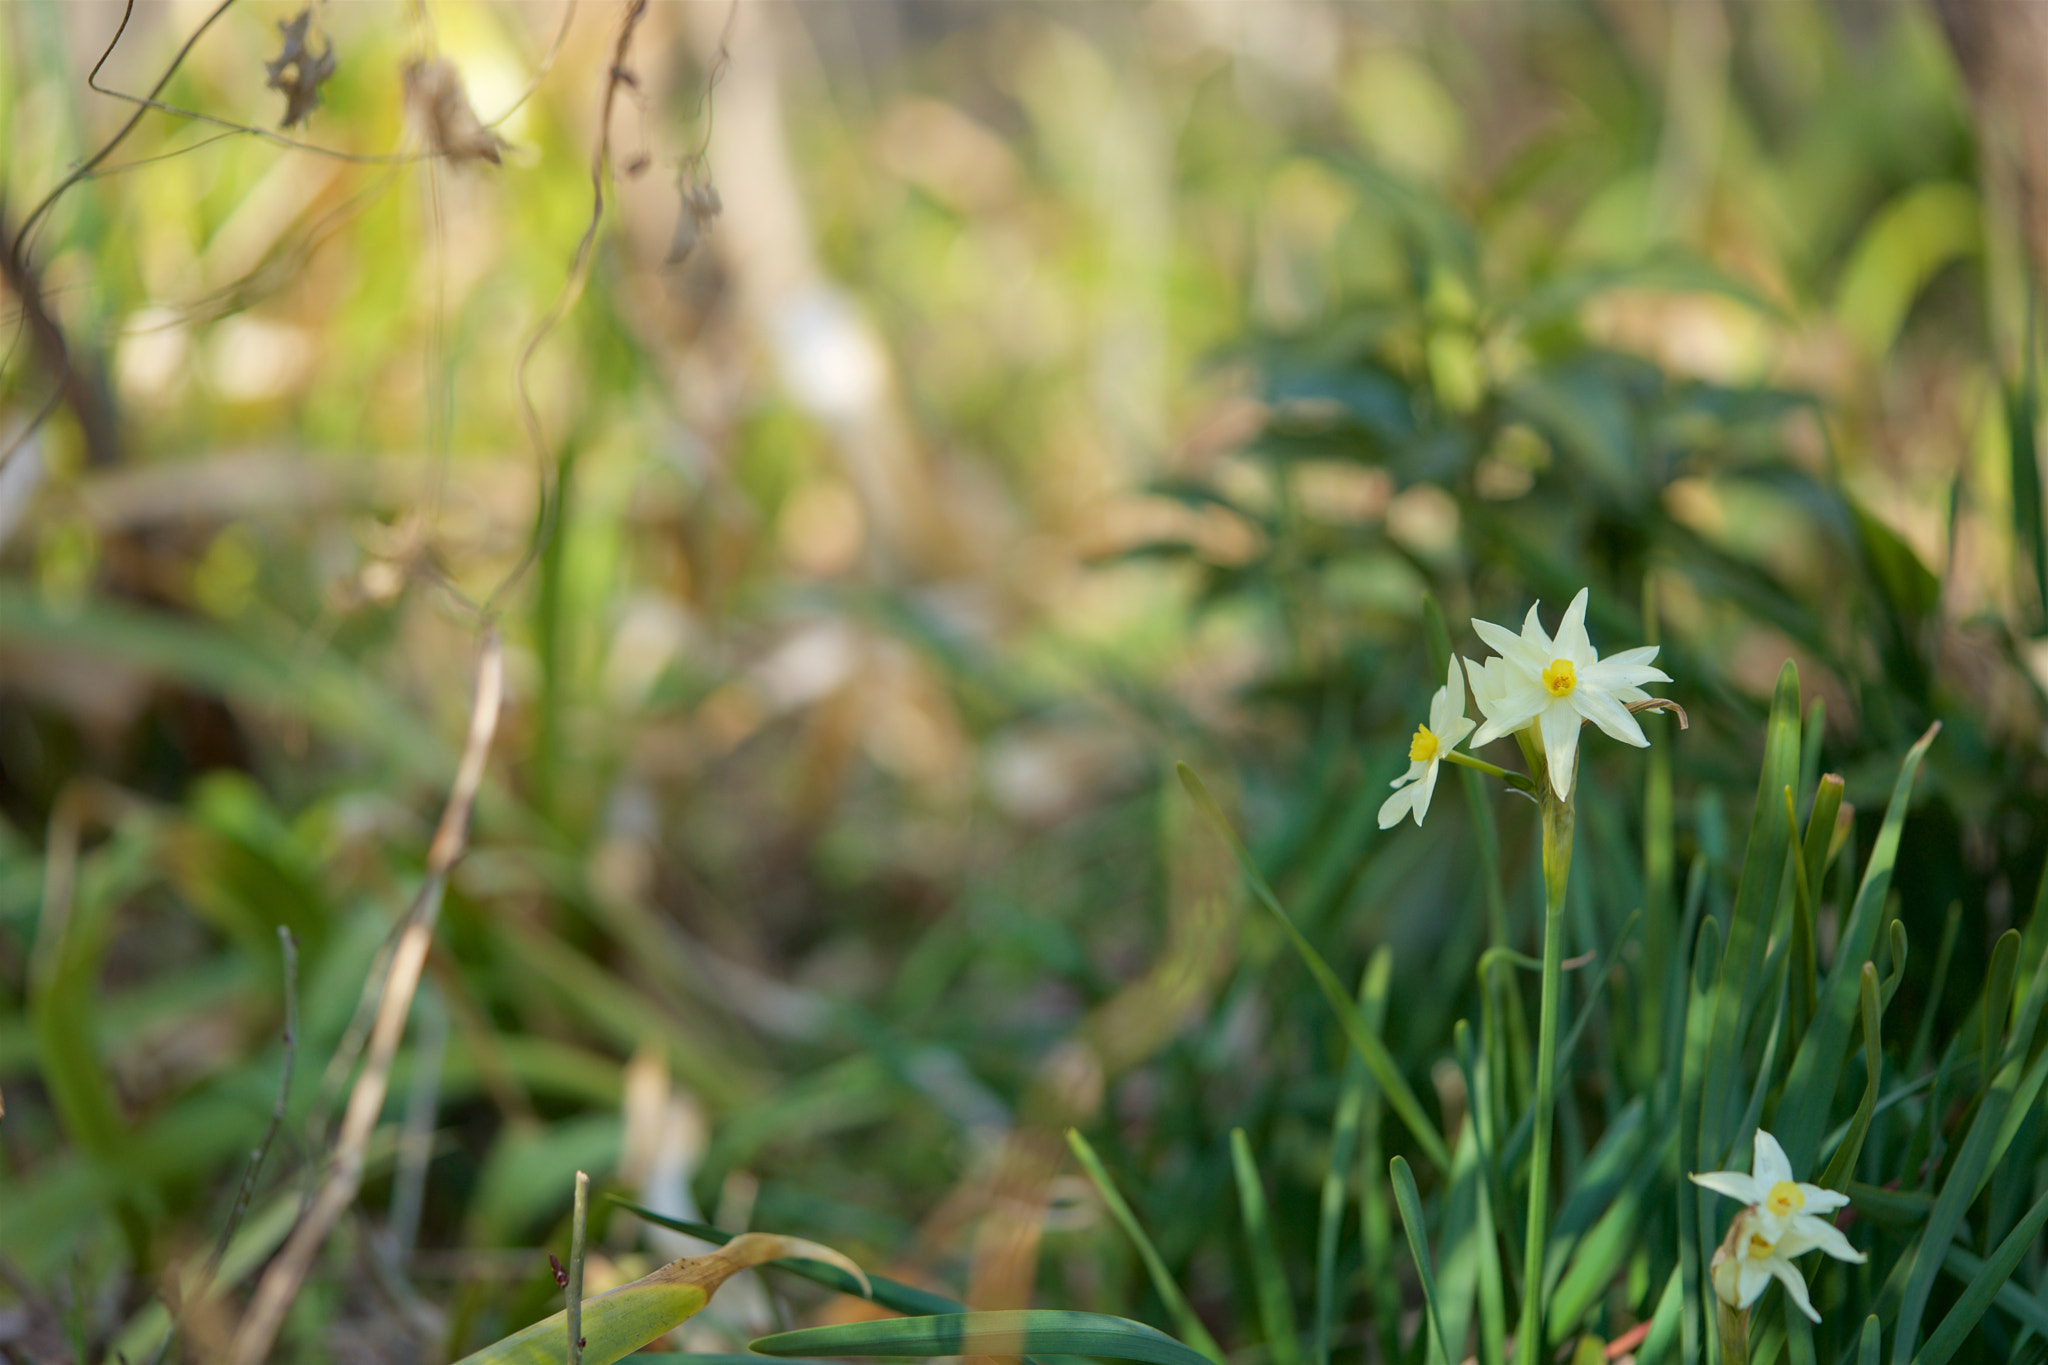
<point x="1038" y="1331"/>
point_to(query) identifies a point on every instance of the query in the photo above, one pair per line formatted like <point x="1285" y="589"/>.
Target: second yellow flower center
<point x="1560" y="678"/>
<point x="1423" y="747"/>
<point x="1760" y="1247"/>
<point x="1785" y="1199"/>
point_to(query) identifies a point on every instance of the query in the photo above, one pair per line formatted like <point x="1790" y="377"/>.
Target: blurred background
<point x="971" y="410"/>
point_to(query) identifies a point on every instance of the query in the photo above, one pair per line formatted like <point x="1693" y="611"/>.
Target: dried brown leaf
<point x="435" y="94"/>
<point x="297" y="72"/>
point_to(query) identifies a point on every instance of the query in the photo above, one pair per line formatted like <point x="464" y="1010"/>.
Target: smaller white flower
<point x="1782" y="1221"/>
<point x="1447" y="729"/>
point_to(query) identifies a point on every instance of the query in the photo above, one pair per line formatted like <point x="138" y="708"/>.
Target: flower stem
<point x="1557" y="866"/>
<point x="1515" y="780"/>
<point x="1732" y="1326"/>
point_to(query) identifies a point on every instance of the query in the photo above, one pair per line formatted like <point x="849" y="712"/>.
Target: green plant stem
<point x="1732" y="1327"/>
<point x="1518" y="781"/>
<point x="1557" y="866"/>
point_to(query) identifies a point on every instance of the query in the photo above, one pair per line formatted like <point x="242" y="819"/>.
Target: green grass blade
<point x="1923" y="1038"/>
<point x="1184" y="1318"/>
<point x="1817" y="1066"/>
<point x="891" y="1294"/>
<point x="1384" y="1069"/>
<point x="2005" y="959"/>
<point x="1695" y="1243"/>
<point x="1983" y="1287"/>
<point x="1656" y="1347"/>
<point x="1035" y="1331"/>
<point x="1989" y="1135"/>
<point x="1418" y="1245"/>
<point x="1269" y="1280"/>
<point x="1844" y="1159"/>
<point x="2027" y="1309"/>
<point x="1351" y="1108"/>
<point x="1756" y="900"/>
<point x="1871" y="1345"/>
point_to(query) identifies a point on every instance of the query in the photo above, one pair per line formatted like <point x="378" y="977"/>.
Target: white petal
<point x="1751" y="1276"/>
<point x="1795" y="1283"/>
<point x="1448" y="703"/>
<point x="1572" y="642"/>
<point x="1428" y="789"/>
<point x="1808" y="1233"/>
<point x="1513" y="648"/>
<point x="1414" y="771"/>
<point x="1770" y="1164"/>
<point x="1561" y="746"/>
<point x="1610" y="676"/>
<point x="1819" y="1200"/>
<point x="1734" y="1184"/>
<point x="1610" y="715"/>
<point x="1510" y="713"/>
<point x="1641" y="654"/>
<point x="1397" y="806"/>
<point x="1451" y="737"/>
<point x="1534" y="636"/>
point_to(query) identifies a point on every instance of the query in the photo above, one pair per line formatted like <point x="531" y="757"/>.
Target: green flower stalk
<point x="1540" y="689"/>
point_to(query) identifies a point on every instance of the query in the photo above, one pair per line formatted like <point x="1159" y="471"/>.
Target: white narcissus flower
<point x="1447" y="728"/>
<point x="1556" y="683"/>
<point x="1782" y="1221"/>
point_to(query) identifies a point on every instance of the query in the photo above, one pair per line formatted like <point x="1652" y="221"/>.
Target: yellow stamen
<point x="1560" y="678"/>
<point x="1760" y="1247"/>
<point x="1423" y="747"/>
<point x="1785" y="1199"/>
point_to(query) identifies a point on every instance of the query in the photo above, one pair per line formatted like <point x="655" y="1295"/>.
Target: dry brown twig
<point x="284" y="1276"/>
<point x="618" y="74"/>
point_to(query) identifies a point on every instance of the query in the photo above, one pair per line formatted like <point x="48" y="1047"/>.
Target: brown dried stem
<point x="282" y="1280"/>
<point x="572" y="289"/>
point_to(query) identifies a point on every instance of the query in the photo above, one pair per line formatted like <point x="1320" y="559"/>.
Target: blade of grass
<point x="1269" y="1280"/>
<point x="1818" y="1063"/>
<point x="1190" y="1326"/>
<point x="1694" y="1242"/>
<point x="1384" y="1069"/>
<point x="1983" y="1287"/>
<point x="1337" y="1178"/>
<point x="1844" y="1160"/>
<point x="1764" y="874"/>
<point x="1418" y="1246"/>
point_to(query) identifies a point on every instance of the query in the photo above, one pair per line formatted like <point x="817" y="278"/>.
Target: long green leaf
<point x="2012" y="1296"/>
<point x="1384" y="1069"/>
<point x="1162" y="1279"/>
<point x="1418" y="1245"/>
<point x="1981" y="1148"/>
<point x="1037" y="1331"/>
<point x="1817" y="1066"/>
<point x="1984" y="1287"/>
<point x="1756" y="900"/>
<point x="1695" y="1244"/>
<point x="1269" y="1280"/>
<point x="1351" y="1107"/>
<point x="1844" y="1160"/>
